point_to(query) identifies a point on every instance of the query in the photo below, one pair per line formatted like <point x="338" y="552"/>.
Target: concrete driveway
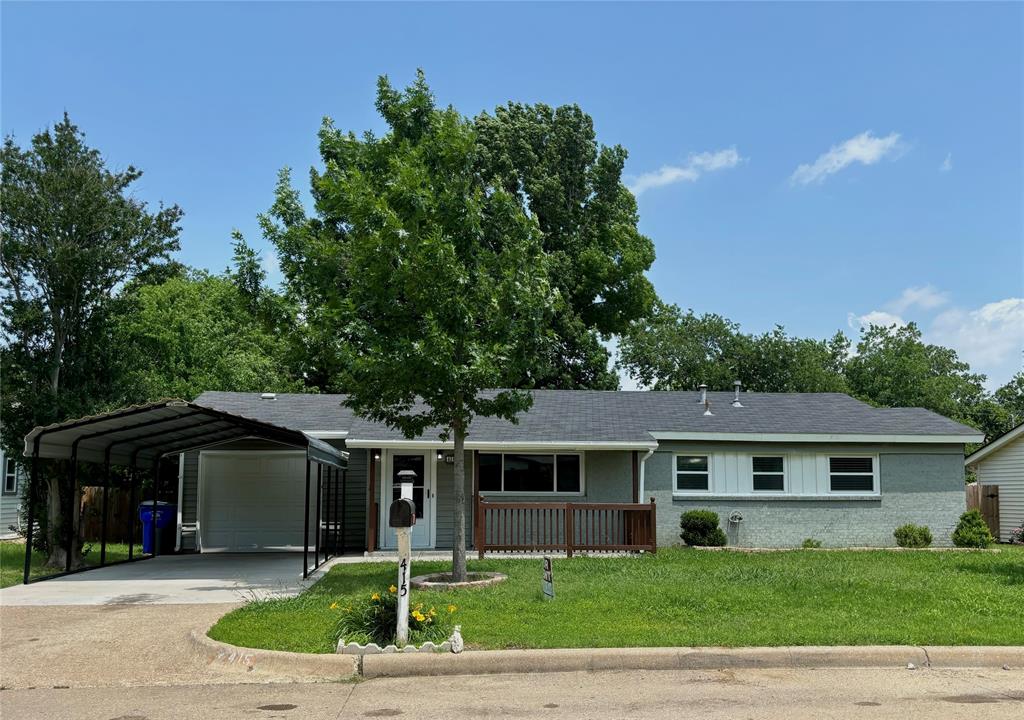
<point x="171" y="580"/>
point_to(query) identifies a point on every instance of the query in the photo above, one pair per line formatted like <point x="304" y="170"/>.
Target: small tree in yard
<point x="971" y="531"/>
<point x="444" y="291"/>
<point x="71" y="236"/>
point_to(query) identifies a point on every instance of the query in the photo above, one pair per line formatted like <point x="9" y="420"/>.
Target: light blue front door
<point x="422" y="495"/>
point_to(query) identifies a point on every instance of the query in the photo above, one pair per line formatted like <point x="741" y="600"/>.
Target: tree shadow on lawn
<point x="1008" y="573"/>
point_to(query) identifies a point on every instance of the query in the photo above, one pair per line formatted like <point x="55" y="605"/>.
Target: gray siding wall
<point x="919" y="484"/>
<point x="10" y="505"/>
<point x="355" y="492"/>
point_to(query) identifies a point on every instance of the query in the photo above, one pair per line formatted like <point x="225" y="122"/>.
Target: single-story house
<point x="10" y="497"/>
<point x="783" y="467"/>
<point x="1000" y="464"/>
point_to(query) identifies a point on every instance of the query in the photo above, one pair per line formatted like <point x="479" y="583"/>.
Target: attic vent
<point x="736" y="399"/>
<point x="703" y="393"/>
<point x="268" y="396"/>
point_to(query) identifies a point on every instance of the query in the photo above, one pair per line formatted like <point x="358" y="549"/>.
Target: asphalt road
<point x="785" y="694"/>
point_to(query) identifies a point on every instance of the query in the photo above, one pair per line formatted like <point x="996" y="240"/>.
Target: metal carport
<point x="140" y="436"/>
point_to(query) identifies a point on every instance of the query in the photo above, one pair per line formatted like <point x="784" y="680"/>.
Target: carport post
<point x="328" y="516"/>
<point x="319" y="498"/>
<point x="305" y="533"/>
<point x="31" y="509"/>
<point x="132" y="510"/>
<point x="106" y="506"/>
<point x="152" y="517"/>
<point x="69" y="537"/>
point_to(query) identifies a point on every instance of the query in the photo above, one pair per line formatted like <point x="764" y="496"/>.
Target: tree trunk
<point x="56" y="527"/>
<point x="459" y="540"/>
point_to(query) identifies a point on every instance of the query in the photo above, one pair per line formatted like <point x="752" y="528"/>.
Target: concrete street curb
<point x="526" y="661"/>
<point x="273" y="664"/>
<point x="333" y="667"/>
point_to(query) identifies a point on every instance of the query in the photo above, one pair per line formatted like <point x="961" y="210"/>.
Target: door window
<point x="414" y="463"/>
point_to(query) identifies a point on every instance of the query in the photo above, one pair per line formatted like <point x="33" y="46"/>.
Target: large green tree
<point x="673" y="350"/>
<point x="197" y="332"/>
<point x="72" y="234"/>
<point x="437" y="283"/>
<point x="894" y="367"/>
<point x="551" y="160"/>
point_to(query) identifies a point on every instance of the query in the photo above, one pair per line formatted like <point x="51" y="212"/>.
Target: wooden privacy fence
<point x="986" y="499"/>
<point x="566" y="527"/>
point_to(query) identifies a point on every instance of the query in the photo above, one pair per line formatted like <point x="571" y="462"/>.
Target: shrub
<point x="373" y="620"/>
<point x="913" y="536"/>
<point x="700" y="527"/>
<point x="1017" y="535"/>
<point x="972" y="531"/>
<point x="810" y="544"/>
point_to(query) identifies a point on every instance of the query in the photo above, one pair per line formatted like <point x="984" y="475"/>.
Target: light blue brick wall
<point x="919" y="484"/>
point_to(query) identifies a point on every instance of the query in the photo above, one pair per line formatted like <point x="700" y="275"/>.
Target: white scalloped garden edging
<point x="354" y="648"/>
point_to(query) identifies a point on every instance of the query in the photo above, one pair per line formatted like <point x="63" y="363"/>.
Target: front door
<point x="422" y="494"/>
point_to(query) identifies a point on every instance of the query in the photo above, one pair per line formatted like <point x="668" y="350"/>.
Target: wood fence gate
<point x="986" y="499"/>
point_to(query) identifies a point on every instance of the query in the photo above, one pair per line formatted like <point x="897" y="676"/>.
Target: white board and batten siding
<point x="1005" y="468"/>
<point x="252" y="502"/>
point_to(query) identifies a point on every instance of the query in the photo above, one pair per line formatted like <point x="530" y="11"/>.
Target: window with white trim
<point x="693" y="473"/>
<point x="769" y="472"/>
<point x="10" y="477"/>
<point x="531" y="473"/>
<point x="851" y="474"/>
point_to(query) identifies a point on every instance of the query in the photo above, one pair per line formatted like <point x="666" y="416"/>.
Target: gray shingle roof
<point x="576" y="416"/>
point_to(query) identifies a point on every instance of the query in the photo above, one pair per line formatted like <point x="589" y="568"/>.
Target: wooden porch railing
<point x="566" y="527"/>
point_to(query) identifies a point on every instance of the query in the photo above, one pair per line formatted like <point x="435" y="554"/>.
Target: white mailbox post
<point x="403" y="517"/>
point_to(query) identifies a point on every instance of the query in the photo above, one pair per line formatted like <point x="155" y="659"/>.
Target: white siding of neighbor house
<point x="10" y="505"/>
<point x="1005" y="468"/>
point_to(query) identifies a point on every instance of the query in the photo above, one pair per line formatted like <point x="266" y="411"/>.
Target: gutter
<point x="643" y="464"/>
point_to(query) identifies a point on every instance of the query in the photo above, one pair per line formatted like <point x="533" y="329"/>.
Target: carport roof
<point x="140" y="434"/>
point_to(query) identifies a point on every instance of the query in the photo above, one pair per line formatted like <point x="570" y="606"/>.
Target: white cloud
<point x="947" y="164"/>
<point x="695" y="166"/>
<point x="865" y="149"/>
<point x="926" y="297"/>
<point x="875" y="317"/>
<point x="989" y="338"/>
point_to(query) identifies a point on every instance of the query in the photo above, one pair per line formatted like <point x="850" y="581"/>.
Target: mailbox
<point x="402" y="513"/>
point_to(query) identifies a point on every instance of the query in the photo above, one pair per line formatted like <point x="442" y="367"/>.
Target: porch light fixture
<point x="376" y="456"/>
<point x="440" y="455"/>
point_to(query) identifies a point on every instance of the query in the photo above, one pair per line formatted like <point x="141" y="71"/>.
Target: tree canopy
<point x="72" y="234"/>
<point x="674" y="350"/>
<point x="550" y="158"/>
<point x="437" y="283"/>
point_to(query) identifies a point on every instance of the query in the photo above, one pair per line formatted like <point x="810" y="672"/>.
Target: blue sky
<point x="802" y="164"/>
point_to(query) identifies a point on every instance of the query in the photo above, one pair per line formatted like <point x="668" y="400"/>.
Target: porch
<point x="519" y="500"/>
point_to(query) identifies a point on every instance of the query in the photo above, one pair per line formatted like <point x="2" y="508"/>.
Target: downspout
<point x="181" y="490"/>
<point x="643" y="462"/>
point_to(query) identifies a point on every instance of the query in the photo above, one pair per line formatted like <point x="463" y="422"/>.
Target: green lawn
<point x="12" y="560"/>
<point x="685" y="597"/>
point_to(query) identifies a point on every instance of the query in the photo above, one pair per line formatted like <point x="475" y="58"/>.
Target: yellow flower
<point x="375" y="596"/>
<point x="418" y="615"/>
<point x="452" y="608"/>
<point x="432" y="612"/>
<point x="392" y="589"/>
<point x="334" y="606"/>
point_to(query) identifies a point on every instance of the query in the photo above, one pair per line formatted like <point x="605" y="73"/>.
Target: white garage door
<point x="251" y="502"/>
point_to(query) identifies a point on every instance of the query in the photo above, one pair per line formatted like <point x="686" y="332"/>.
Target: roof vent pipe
<point x="736" y="398"/>
<point x="703" y="393"/>
<point x="707" y="409"/>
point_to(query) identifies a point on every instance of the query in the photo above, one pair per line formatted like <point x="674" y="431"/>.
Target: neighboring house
<point x="10" y="497"/>
<point x="818" y="465"/>
<point x="1001" y="463"/>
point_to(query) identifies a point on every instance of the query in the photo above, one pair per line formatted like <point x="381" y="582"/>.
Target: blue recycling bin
<point x="166" y="515"/>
